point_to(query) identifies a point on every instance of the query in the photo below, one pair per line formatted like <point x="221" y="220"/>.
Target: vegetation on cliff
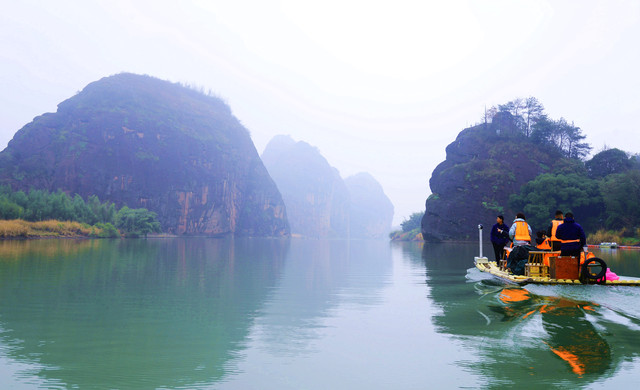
<point x="141" y="142"/>
<point x="521" y="160"/>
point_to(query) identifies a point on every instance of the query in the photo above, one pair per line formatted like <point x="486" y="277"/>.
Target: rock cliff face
<point x="143" y="142"/>
<point x="483" y="167"/>
<point x="316" y="197"/>
<point x="371" y="212"/>
<point x="321" y="204"/>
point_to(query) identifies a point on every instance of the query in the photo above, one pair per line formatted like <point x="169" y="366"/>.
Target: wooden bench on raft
<point x="536" y="266"/>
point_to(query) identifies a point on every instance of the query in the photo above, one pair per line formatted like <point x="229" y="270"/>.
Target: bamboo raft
<point x="560" y="271"/>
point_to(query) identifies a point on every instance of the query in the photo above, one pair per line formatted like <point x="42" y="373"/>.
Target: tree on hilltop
<point x="609" y="161"/>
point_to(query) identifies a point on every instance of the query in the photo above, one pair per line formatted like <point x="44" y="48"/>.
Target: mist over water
<point x="294" y="313"/>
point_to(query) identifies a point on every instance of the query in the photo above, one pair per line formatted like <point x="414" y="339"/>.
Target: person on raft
<point x="542" y="241"/>
<point x="520" y="232"/>
<point x="499" y="237"/>
<point x="572" y="236"/>
<point x="551" y="231"/>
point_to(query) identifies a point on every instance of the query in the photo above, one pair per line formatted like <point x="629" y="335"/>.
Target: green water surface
<point x="229" y="313"/>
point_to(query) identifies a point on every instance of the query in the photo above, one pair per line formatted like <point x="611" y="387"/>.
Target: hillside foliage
<point x="518" y="159"/>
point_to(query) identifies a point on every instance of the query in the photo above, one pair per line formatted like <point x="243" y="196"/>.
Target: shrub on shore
<point x="622" y="236"/>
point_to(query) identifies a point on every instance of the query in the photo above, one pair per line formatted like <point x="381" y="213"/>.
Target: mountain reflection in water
<point x="235" y="313"/>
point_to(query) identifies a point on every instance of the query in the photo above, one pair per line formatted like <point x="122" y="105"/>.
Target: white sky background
<point x="377" y="86"/>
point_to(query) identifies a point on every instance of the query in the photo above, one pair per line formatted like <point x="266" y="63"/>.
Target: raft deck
<point x="491" y="267"/>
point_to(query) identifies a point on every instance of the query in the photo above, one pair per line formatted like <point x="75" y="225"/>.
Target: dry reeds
<point x="14" y="228"/>
<point x="604" y="236"/>
<point x="18" y="228"/>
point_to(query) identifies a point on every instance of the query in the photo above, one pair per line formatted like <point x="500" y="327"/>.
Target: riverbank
<point x="18" y="228"/>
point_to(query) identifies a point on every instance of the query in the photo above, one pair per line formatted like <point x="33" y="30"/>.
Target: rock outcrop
<point x="319" y="202"/>
<point x="371" y="211"/>
<point x="143" y="142"/>
<point x="316" y="197"/>
<point x="484" y="166"/>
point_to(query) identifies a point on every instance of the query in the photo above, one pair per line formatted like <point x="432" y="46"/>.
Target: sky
<point x="377" y="86"/>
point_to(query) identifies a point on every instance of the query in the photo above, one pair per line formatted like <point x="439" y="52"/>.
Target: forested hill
<point x="143" y="142"/>
<point x="521" y="160"/>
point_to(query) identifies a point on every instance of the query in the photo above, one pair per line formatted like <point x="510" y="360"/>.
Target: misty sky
<point x="377" y="86"/>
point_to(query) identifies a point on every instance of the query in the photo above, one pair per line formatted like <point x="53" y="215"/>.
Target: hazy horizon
<point x="379" y="87"/>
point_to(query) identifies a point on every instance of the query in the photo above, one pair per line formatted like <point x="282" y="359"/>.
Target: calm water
<point x="301" y="314"/>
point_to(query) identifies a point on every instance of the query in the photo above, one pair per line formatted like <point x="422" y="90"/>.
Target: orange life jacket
<point x="588" y="256"/>
<point x="544" y="245"/>
<point x="554" y="226"/>
<point x="522" y="231"/>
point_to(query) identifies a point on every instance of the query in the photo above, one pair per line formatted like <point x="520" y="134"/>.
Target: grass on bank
<point x="411" y="235"/>
<point x="622" y="237"/>
<point x="18" y="228"/>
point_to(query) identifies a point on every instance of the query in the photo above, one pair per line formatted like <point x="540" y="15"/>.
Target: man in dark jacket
<point x="499" y="237"/>
<point x="572" y="236"/>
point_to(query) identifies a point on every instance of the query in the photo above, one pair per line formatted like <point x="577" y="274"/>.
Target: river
<point x="230" y="313"/>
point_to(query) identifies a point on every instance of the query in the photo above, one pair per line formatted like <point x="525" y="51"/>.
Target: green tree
<point x="93" y="210"/>
<point x="108" y="230"/>
<point x="137" y="222"/>
<point x="9" y="209"/>
<point x="60" y="207"/>
<point x="36" y="208"/>
<point x="561" y="134"/>
<point x="516" y="107"/>
<point x="19" y="198"/>
<point x="413" y="222"/>
<point x="608" y="162"/>
<point x="543" y="132"/>
<point x="548" y="192"/>
<point x="621" y="194"/>
<point x="80" y="210"/>
<point x="533" y="111"/>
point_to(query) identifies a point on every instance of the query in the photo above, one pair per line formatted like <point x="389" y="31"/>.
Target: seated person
<point x="543" y="244"/>
<point x="542" y="241"/>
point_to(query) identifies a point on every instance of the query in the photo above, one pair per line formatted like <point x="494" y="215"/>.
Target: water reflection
<point x="622" y="261"/>
<point x="319" y="277"/>
<point x="551" y="336"/>
<point x="132" y="313"/>
<point x="568" y="332"/>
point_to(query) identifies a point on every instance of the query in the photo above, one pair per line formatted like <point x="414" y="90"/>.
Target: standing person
<point x="551" y="232"/>
<point x="499" y="237"/>
<point x="572" y="236"/>
<point x="520" y="232"/>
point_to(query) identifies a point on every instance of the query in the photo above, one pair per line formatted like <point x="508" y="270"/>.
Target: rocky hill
<point x="143" y="142"/>
<point x="315" y="195"/>
<point x="319" y="202"/>
<point x="483" y="167"/>
<point x="371" y="211"/>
